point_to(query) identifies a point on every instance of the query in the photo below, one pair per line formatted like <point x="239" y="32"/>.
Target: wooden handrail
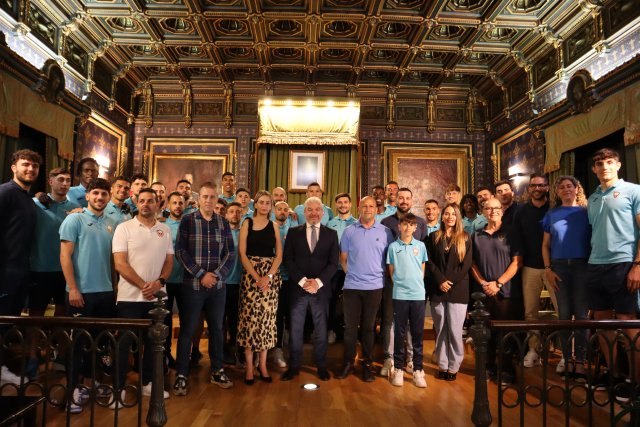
<point x="551" y="325"/>
<point x="75" y="322"/>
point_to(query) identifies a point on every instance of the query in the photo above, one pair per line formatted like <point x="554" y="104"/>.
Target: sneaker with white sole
<point x="396" y="377"/>
<point x="331" y="337"/>
<point x="387" y="366"/>
<point x="560" y="367"/>
<point x="409" y="367"/>
<point x="278" y="358"/>
<point x="531" y="359"/>
<point x="221" y="379"/>
<point x="78" y="398"/>
<point x="123" y="395"/>
<point x="180" y="386"/>
<point x="418" y="379"/>
<point x="8" y="377"/>
<point x="146" y="391"/>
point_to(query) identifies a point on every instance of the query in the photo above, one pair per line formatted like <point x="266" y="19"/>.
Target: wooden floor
<point x="349" y="402"/>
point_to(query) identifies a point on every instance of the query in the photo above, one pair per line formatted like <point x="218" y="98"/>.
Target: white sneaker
<point x="123" y="396"/>
<point x="385" y="371"/>
<point x="531" y="359"/>
<point x="8" y="377"/>
<point x="331" y="337"/>
<point x="78" y="398"/>
<point x="418" y="379"/>
<point x="560" y="367"/>
<point x="278" y="358"/>
<point x="396" y="377"/>
<point x="409" y="367"/>
<point x="146" y="391"/>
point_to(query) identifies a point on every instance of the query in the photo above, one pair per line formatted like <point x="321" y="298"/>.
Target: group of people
<point x="255" y="267"/>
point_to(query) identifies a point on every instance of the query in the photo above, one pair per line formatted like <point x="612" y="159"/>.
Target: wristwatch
<point x="162" y="281"/>
<point x="499" y="285"/>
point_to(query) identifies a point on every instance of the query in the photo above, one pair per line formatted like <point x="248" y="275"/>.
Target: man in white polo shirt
<point x="143" y="255"/>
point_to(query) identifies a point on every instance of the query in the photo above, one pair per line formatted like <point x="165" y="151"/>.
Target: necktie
<point x="314" y="237"/>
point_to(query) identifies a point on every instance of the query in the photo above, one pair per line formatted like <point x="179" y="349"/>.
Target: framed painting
<point x="427" y="170"/>
<point x="305" y="167"/>
<point x="99" y="139"/>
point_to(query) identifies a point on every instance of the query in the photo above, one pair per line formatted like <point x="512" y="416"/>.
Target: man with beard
<point x="87" y="170"/>
<point x="432" y="214"/>
<point x="338" y="223"/>
<point x="46" y="272"/>
<point x="279" y="194"/>
<point x="528" y="232"/>
<point x="175" y="204"/>
<point x="380" y="196"/>
<point x="117" y="210"/>
<point x="18" y="216"/>
<point x="161" y="191"/>
<point x="504" y="193"/>
<point x="233" y="216"/>
<point x="391" y="191"/>
<point x="228" y="187"/>
<point x="85" y="257"/>
<point x="483" y="194"/>
<point x="314" y="190"/>
<point x="184" y="187"/>
<point x="138" y="182"/>
<point x="143" y="256"/>
<point x="404" y="205"/>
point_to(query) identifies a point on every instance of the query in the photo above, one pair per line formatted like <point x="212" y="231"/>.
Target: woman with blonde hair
<point x="261" y="254"/>
<point x="449" y="251"/>
<point x="565" y="251"/>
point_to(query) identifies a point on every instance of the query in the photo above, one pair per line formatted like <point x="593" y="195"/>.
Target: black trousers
<point x="173" y="294"/>
<point x="319" y="308"/>
<point x="127" y="341"/>
<point x="360" y="309"/>
<point x="503" y="309"/>
<point x="231" y="310"/>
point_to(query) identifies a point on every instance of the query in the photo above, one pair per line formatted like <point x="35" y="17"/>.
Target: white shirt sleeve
<point x="120" y="239"/>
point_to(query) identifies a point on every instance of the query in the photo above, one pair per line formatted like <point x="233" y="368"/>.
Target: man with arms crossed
<point x="613" y="271"/>
<point x="311" y="255"/>
<point x="143" y="255"/>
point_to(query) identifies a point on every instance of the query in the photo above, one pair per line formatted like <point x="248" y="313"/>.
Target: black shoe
<point x="288" y="375"/>
<point x="249" y="382"/>
<point x="196" y="356"/>
<point x="442" y="375"/>
<point x="507" y="378"/>
<point x="171" y="362"/>
<point x="451" y="376"/>
<point x="324" y="374"/>
<point x="345" y="371"/>
<point x="266" y="379"/>
<point x="367" y="373"/>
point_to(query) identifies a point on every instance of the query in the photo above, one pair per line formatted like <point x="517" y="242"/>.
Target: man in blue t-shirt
<point x="614" y="264"/>
<point x="314" y="190"/>
<point x="87" y="170"/>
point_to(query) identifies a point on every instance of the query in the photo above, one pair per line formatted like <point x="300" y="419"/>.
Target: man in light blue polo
<point x="117" y="210"/>
<point x="85" y="257"/>
<point x="228" y="185"/>
<point x="314" y="190"/>
<point x="46" y="273"/>
<point x="338" y="223"/>
<point x="363" y="250"/>
<point x="87" y="170"/>
<point x="378" y="192"/>
<point x="138" y="182"/>
<point x="614" y="264"/>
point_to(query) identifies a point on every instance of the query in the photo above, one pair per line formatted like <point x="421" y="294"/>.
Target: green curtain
<point x="340" y="171"/>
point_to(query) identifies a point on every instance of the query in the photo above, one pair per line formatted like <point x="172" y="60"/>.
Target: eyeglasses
<point x="538" y="185"/>
<point x="490" y="209"/>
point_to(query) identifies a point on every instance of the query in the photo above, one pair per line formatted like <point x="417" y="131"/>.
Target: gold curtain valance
<point x="620" y="110"/>
<point x="308" y="121"/>
<point x="20" y="104"/>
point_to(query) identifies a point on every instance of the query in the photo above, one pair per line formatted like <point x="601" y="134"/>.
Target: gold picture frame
<point x="426" y="169"/>
<point x="305" y="167"/>
<point x="100" y="139"/>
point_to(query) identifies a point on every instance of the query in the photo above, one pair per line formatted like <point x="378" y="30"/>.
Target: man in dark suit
<point x="311" y="255"/>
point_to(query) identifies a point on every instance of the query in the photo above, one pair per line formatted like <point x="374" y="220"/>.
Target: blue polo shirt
<point x="178" y="270"/>
<point x="388" y="211"/>
<point x="480" y="222"/>
<point x="115" y="215"/>
<point x="289" y="222"/>
<point x="77" y="195"/>
<point x="45" y="253"/>
<point x="339" y="224"/>
<point x="91" y="236"/>
<point x="328" y="214"/>
<point x="570" y="232"/>
<point x="132" y="206"/>
<point x="227" y="199"/>
<point x="468" y="224"/>
<point x="431" y="229"/>
<point x="366" y="255"/>
<point x="407" y="260"/>
<point x="612" y="215"/>
<point x="236" y="272"/>
<point x="284" y="230"/>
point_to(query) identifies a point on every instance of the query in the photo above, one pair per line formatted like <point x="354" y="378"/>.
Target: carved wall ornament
<point x="581" y="92"/>
<point x="51" y="83"/>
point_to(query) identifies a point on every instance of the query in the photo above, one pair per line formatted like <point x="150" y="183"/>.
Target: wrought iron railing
<point x="52" y="340"/>
<point x="602" y="395"/>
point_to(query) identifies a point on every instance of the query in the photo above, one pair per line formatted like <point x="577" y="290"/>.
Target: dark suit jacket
<point x="300" y="262"/>
<point x="441" y="268"/>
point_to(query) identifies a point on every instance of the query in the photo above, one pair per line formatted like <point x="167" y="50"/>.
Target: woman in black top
<point x="449" y="251"/>
<point x="261" y="254"/>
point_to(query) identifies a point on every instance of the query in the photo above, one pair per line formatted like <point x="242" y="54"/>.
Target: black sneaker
<point x="622" y="392"/>
<point x="196" y="356"/>
<point x="180" y="386"/>
<point x="221" y="379"/>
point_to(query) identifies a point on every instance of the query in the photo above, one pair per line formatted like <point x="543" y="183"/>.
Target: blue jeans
<point x="572" y="302"/>
<point x="193" y="302"/>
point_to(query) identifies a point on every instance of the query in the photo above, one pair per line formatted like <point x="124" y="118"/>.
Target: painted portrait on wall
<point x="305" y="167"/>
<point x="169" y="169"/>
<point x="101" y="140"/>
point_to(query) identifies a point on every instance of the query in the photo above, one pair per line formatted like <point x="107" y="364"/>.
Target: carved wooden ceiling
<point x="347" y="45"/>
